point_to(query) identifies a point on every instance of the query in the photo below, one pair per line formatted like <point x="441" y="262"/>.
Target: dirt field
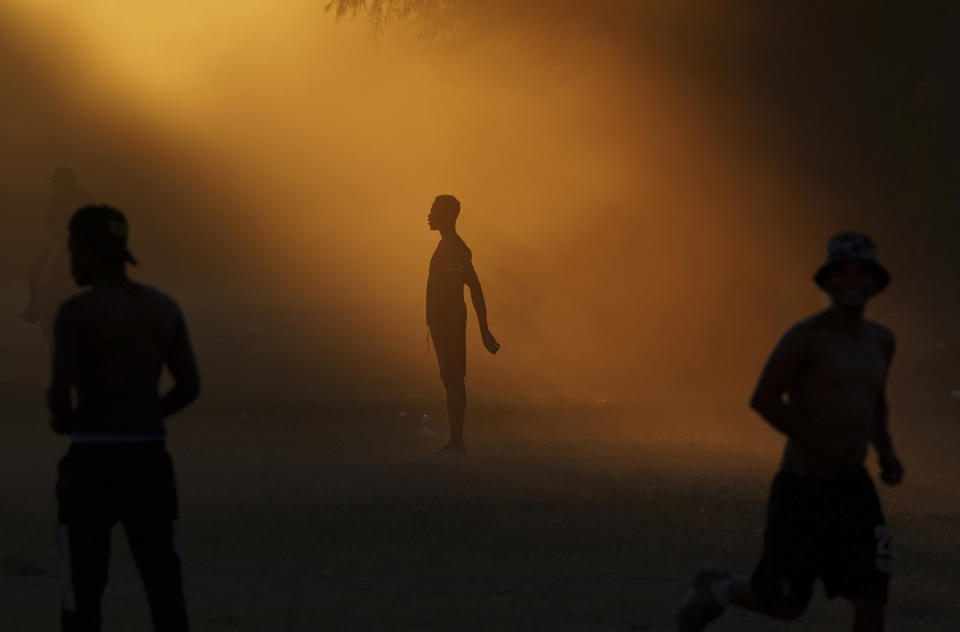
<point x="312" y="520"/>
<point x="303" y="514"/>
<point x="648" y="188"/>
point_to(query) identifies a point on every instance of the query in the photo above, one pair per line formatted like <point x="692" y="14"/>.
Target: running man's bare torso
<point x="838" y="391"/>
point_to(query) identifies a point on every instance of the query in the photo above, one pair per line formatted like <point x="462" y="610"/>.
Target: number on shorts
<point x="882" y="534"/>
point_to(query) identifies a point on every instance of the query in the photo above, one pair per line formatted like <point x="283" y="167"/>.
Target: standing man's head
<point x="851" y="274"/>
<point x="443" y="213"/>
<point x="98" y="244"/>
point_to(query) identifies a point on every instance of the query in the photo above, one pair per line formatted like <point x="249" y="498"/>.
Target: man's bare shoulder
<point x="152" y="293"/>
<point x="804" y="330"/>
<point x="881" y="333"/>
<point x="71" y="307"/>
<point x="161" y="304"/>
<point x="884" y="336"/>
<point x="94" y="299"/>
<point x="794" y="345"/>
<point x="819" y="323"/>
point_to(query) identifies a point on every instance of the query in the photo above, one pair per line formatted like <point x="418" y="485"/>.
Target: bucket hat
<point x="852" y="246"/>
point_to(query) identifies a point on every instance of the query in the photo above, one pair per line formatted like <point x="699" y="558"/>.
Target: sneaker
<point x="699" y="607"/>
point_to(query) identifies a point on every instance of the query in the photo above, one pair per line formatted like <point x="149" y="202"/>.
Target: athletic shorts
<point x="132" y="484"/>
<point x="450" y="343"/>
<point x="116" y="483"/>
<point x="831" y="528"/>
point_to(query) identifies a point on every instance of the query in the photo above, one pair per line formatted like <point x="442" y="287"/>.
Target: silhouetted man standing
<point x="49" y="274"/>
<point x="823" y="516"/>
<point x="451" y="268"/>
<point x="110" y="344"/>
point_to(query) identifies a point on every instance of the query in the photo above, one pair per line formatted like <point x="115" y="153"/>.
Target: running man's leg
<point x="868" y="615"/>
<point x="782" y="584"/>
<point x="713" y="590"/>
<point x="742" y="595"/>
<point x="861" y="552"/>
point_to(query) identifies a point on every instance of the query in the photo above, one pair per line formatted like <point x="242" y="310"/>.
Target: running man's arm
<point x="480" y="306"/>
<point x="891" y="470"/>
<point x="183" y="368"/>
<point x="782" y="368"/>
<point x="64" y="372"/>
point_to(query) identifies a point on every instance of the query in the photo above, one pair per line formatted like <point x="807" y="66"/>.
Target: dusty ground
<point x="302" y="516"/>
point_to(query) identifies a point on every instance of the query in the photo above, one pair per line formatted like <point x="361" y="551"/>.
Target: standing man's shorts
<point x="131" y="484"/>
<point x="450" y="343"/>
<point x="827" y="527"/>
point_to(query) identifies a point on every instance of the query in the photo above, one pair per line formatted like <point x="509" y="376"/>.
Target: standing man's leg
<point x="29" y="312"/>
<point x="85" y="556"/>
<point x="456" y="408"/>
<point x="156" y="552"/>
<point x="150" y="521"/>
<point x="84" y="521"/>
<point x="450" y="343"/>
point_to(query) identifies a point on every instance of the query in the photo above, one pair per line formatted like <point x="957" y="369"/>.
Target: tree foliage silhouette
<point x="429" y="14"/>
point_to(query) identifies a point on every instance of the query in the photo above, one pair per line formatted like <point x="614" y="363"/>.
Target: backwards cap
<point x="104" y="230"/>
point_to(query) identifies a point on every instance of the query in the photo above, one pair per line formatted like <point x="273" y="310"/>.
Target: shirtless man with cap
<point x="110" y="345"/>
<point x="823" y="517"/>
<point x="451" y="268"/>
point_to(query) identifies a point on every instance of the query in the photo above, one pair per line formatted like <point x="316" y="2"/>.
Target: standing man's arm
<point x="183" y="368"/>
<point x="64" y="371"/>
<point x="891" y="470"/>
<point x="782" y="368"/>
<point x="476" y="295"/>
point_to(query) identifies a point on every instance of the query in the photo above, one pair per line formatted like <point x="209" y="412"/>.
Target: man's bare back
<point x="834" y="376"/>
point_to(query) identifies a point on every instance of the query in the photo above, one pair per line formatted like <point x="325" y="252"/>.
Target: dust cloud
<point x="646" y="196"/>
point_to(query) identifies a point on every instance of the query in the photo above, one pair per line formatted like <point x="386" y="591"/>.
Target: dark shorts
<point x="450" y="343"/>
<point x="132" y="484"/>
<point x="830" y="528"/>
<point x="116" y="483"/>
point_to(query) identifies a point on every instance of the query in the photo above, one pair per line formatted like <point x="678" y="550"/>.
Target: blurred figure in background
<point x="110" y="345"/>
<point x="824" y="387"/>
<point x="49" y="274"/>
<point x="451" y="267"/>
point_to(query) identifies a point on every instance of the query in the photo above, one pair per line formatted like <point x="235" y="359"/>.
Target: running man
<point x="451" y="268"/>
<point x="823" y="517"/>
<point x="110" y="344"/>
